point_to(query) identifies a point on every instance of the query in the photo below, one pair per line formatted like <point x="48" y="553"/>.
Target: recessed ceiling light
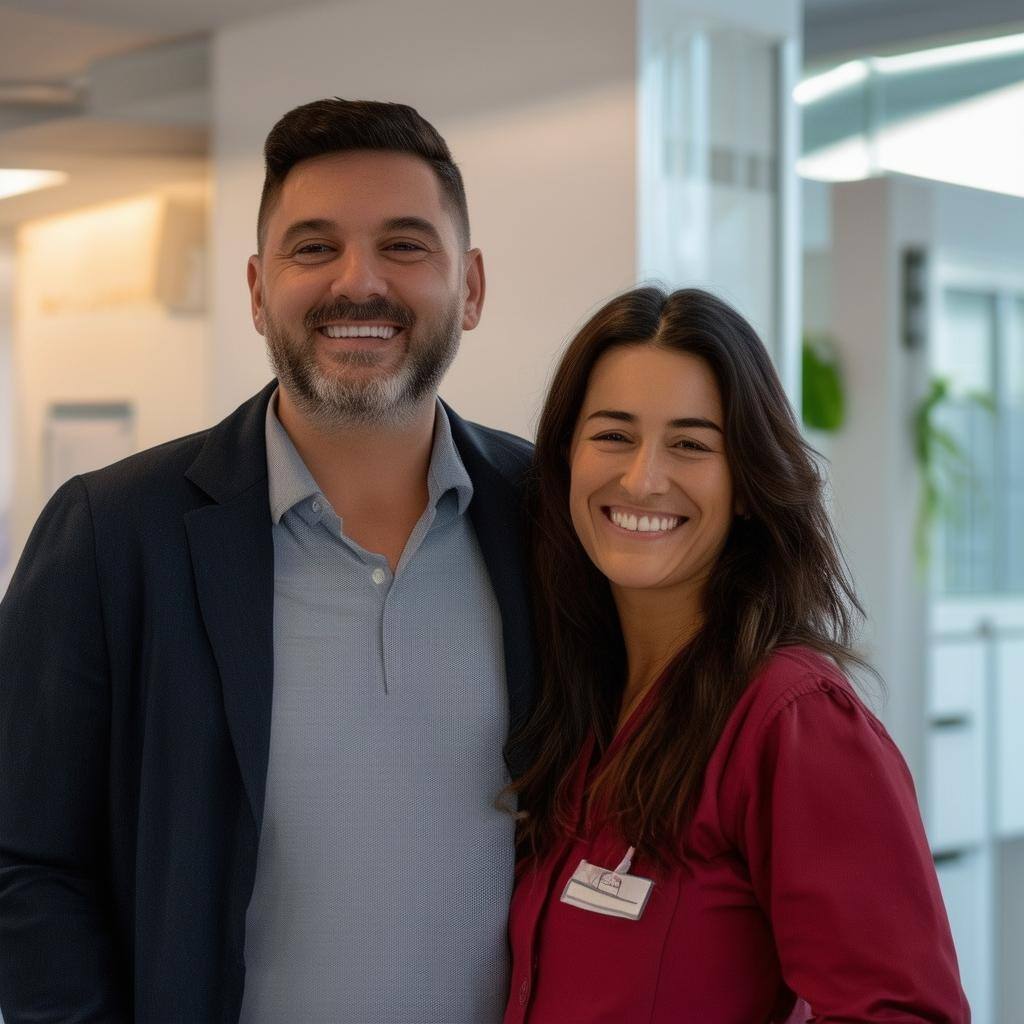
<point x="819" y="87"/>
<point x="958" y="53"/>
<point x="16" y="180"/>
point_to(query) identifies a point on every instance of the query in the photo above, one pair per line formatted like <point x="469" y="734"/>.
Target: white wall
<point x="536" y="100"/>
<point x="74" y="344"/>
<point x="7" y="435"/>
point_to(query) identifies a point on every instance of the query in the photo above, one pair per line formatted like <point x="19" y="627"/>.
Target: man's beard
<point x="333" y="400"/>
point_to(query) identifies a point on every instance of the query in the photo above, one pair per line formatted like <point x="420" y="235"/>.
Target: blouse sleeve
<point x="839" y="860"/>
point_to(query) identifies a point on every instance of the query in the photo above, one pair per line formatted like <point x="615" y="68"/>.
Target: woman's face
<point x="651" y="494"/>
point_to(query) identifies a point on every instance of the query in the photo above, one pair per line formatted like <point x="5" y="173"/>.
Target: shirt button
<point x="378" y="576"/>
<point x="316" y="506"/>
<point x="524" y="992"/>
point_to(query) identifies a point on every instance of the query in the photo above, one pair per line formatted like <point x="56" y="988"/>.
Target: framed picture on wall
<point x="82" y="436"/>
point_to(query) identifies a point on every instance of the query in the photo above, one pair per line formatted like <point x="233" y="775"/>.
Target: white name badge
<point x="613" y="893"/>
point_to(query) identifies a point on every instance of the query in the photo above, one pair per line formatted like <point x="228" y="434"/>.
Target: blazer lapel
<point x="499" y="519"/>
<point x="231" y="546"/>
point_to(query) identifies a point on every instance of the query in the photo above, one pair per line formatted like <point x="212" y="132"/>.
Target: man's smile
<point x="350" y="330"/>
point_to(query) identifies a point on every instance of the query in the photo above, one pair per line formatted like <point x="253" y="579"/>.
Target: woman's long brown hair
<point x="780" y="580"/>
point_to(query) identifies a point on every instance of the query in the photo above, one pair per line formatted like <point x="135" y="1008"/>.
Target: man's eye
<point x="312" y="249"/>
<point x="405" y="247"/>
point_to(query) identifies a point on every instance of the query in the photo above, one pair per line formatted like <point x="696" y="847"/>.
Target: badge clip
<point x="614" y="893"/>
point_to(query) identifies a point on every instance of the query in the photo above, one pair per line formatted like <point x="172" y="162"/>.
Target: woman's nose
<point x="645" y="474"/>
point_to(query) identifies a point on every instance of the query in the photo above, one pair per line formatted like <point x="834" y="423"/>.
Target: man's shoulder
<point x="145" y="484"/>
<point x="178" y="472"/>
<point x="509" y="454"/>
<point x="503" y="446"/>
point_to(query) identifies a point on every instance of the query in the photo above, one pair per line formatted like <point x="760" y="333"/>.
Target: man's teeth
<point x="643" y="524"/>
<point x="361" y="331"/>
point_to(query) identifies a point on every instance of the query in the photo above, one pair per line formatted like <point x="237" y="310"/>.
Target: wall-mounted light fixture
<point x="14" y="181"/>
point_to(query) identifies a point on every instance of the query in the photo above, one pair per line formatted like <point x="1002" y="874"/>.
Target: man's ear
<point x="254" y="275"/>
<point x="474" y="285"/>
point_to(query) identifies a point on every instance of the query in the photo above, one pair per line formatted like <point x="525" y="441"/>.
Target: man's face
<point x="362" y="288"/>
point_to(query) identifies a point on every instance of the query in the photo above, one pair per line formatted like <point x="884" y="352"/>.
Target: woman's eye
<point x="611" y="435"/>
<point x="690" y="446"/>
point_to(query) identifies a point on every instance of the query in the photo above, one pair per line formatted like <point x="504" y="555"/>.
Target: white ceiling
<point x="44" y="39"/>
<point x="123" y="126"/>
<point x="36" y="46"/>
<point x="134" y="112"/>
<point x="56" y="39"/>
<point x="835" y="28"/>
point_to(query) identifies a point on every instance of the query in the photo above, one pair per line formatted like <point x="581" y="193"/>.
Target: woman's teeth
<point x="643" y="524"/>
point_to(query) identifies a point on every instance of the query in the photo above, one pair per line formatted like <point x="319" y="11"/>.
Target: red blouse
<point x="806" y="871"/>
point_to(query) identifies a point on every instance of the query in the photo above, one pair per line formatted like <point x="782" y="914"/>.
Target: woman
<point x="713" y="823"/>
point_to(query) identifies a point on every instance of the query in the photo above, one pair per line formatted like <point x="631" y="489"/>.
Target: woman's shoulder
<point x="787" y="675"/>
<point x="795" y="683"/>
<point x="799" y="722"/>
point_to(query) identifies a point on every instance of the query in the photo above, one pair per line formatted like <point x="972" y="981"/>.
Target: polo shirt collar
<point x="290" y="481"/>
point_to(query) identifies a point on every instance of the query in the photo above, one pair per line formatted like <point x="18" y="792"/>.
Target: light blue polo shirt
<point x="384" y="869"/>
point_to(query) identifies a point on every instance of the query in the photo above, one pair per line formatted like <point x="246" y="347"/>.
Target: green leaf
<point x="824" y="404"/>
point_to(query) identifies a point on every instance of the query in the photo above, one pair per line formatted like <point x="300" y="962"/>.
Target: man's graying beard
<point x="388" y="399"/>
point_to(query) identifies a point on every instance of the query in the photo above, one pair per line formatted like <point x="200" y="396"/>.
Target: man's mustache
<point x="375" y="309"/>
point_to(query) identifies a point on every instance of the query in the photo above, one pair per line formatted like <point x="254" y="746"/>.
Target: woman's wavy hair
<point x="780" y="580"/>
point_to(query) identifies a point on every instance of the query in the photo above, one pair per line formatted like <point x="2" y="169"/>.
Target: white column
<point x="874" y="476"/>
<point x="719" y="139"/>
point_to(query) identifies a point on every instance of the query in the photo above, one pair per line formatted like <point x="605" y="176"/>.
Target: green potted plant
<point x="945" y="466"/>
<point x="823" y="397"/>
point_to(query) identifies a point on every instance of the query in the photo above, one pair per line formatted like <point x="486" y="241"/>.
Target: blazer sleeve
<point x="58" y="959"/>
<point x="839" y="860"/>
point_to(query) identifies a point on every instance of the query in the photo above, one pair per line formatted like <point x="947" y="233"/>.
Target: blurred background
<point x="849" y="173"/>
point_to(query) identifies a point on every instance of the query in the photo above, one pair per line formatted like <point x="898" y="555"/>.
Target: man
<point x="255" y="683"/>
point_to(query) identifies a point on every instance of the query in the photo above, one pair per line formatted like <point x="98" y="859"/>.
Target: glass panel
<point x="965" y="355"/>
<point x="710" y="180"/>
<point x="968" y="518"/>
<point x="1015" y="353"/>
<point x="965" y="350"/>
<point x="1012" y="425"/>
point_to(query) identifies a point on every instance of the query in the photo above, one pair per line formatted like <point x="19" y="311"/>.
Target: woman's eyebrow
<point x="677" y="424"/>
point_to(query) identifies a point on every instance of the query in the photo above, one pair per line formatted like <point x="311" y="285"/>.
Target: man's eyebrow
<point x="419" y="224"/>
<point x="678" y="424"/>
<point x="322" y="225"/>
<point x="314" y="225"/>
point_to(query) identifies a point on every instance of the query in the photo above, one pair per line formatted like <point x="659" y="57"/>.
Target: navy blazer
<point x="136" y="667"/>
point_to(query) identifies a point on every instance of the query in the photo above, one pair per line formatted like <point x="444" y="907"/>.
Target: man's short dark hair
<point x="340" y="126"/>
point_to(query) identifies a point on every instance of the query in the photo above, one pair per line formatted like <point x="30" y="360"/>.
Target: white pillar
<point x="719" y="140"/>
<point x="874" y="475"/>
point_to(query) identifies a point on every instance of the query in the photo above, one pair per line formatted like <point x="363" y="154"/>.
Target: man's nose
<point x="645" y="474"/>
<point x="357" y="275"/>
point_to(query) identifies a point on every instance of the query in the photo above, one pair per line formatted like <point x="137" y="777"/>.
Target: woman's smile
<point x="641" y="524"/>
